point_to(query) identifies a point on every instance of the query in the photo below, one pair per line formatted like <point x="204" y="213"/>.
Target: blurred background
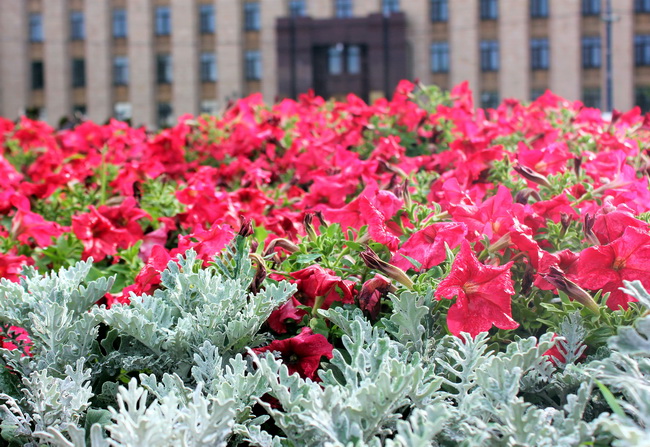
<point x="150" y="61"/>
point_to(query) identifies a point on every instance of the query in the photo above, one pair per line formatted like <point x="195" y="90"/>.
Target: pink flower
<point x="427" y="246"/>
<point x="483" y="294"/>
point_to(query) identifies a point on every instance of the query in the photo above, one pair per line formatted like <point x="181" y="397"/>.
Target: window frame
<point x="540" y="54"/>
<point x="539" y="9"/>
<point x="297" y="8"/>
<point x="119" y="23"/>
<point x="33" y="74"/>
<point x="253" y="65"/>
<point x="208" y="66"/>
<point x="642" y="50"/>
<point x="252" y="17"/>
<point x="641" y="6"/>
<point x="591" y="48"/>
<point x="591" y="8"/>
<point x="207" y="18"/>
<point x="164" y="69"/>
<point x="389" y="7"/>
<point x="490" y="55"/>
<point x="489" y="9"/>
<point x="120" y="70"/>
<point x="343" y="9"/>
<point x="78" y="72"/>
<point x="439" y="56"/>
<point x="439" y="11"/>
<point x="36" y="31"/>
<point x="77" y="25"/>
<point x="162" y="21"/>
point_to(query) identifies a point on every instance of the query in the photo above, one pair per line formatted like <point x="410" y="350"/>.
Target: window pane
<point x="253" y="66"/>
<point x="390" y="6"/>
<point x="119" y="23"/>
<point x="120" y="70"/>
<point x="38" y="78"/>
<point x="163" y="21"/>
<point x="164" y="68"/>
<point x="35" y="28"/>
<point x="354" y="59"/>
<point x="77" y="25"/>
<point x="335" y="58"/>
<point x="539" y="8"/>
<point x="297" y="8"/>
<point x="439" y="10"/>
<point x="208" y="67"/>
<point x="440" y="57"/>
<point x="343" y="8"/>
<point x="78" y="72"/>
<point x="207" y="19"/>
<point x="252" y="16"/>
<point x="165" y="115"/>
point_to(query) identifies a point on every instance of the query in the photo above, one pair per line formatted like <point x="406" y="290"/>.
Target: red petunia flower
<point x="288" y="311"/>
<point x="98" y="235"/>
<point x="301" y="354"/>
<point x="315" y="281"/>
<point x="206" y="243"/>
<point x="11" y="265"/>
<point x="483" y="294"/>
<point x="607" y="266"/>
<point x="427" y="246"/>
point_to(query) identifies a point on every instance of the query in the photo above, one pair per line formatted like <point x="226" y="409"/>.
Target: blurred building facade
<point x="152" y="60"/>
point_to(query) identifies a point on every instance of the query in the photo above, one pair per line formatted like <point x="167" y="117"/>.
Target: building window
<point x="208" y="68"/>
<point x="206" y="19"/>
<point x="343" y="8"/>
<point x="590" y="7"/>
<point x="253" y="65"/>
<point x="165" y="115"/>
<point x="119" y="23"/>
<point x="164" y="68"/>
<point x="297" y="8"/>
<point x="539" y="54"/>
<point x="252" y="16"/>
<point x="79" y="110"/>
<point x="440" y="57"/>
<point x="642" y="50"/>
<point x="335" y="59"/>
<point x="389" y="6"/>
<point x="591" y="53"/>
<point x="35" y="28"/>
<point x="642" y="98"/>
<point x="78" y="73"/>
<point x="38" y="75"/>
<point x="490" y="100"/>
<point x="641" y="5"/>
<point x="77" y="31"/>
<point x="538" y="8"/>
<point x="489" y="9"/>
<point x="591" y="97"/>
<point x="439" y="10"/>
<point x="353" y="59"/>
<point x="489" y="55"/>
<point x="163" y="21"/>
<point x="536" y="93"/>
<point x="209" y="107"/>
<point x="120" y="70"/>
<point x="122" y="111"/>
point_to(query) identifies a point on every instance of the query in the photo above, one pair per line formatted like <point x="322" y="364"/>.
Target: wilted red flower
<point x="607" y="266"/>
<point x="372" y="291"/>
<point x="288" y="311"/>
<point x="302" y="353"/>
<point x="427" y="246"/>
<point x="483" y="294"/>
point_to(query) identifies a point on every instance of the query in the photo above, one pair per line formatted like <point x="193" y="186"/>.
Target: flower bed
<point x="411" y="272"/>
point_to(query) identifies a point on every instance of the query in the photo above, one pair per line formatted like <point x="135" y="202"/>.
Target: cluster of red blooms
<point x="275" y="165"/>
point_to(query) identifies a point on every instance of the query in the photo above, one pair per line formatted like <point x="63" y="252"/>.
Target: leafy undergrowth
<point x="411" y="272"/>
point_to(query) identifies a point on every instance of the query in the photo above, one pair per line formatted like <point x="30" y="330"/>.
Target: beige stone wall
<point x="565" y="47"/>
<point x="57" y="62"/>
<point x="463" y="43"/>
<point x="623" y="55"/>
<point x="229" y="49"/>
<point x="514" y="48"/>
<point x="418" y="22"/>
<point x="141" y="62"/>
<point x="363" y="8"/>
<point x="185" y="57"/>
<point x="99" y="66"/>
<point x="320" y="9"/>
<point x="271" y="10"/>
<point x="14" y="66"/>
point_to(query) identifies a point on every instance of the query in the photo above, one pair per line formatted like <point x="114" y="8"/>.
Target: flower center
<point x="470" y="287"/>
<point x="619" y="263"/>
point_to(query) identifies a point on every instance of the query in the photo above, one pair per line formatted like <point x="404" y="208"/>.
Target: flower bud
<point x="373" y="261"/>
<point x="246" y="227"/>
<point x="587" y="229"/>
<point x="523" y="196"/>
<point x="557" y="278"/>
<point x="309" y="228"/>
<point x="531" y="175"/>
<point x="369" y="298"/>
